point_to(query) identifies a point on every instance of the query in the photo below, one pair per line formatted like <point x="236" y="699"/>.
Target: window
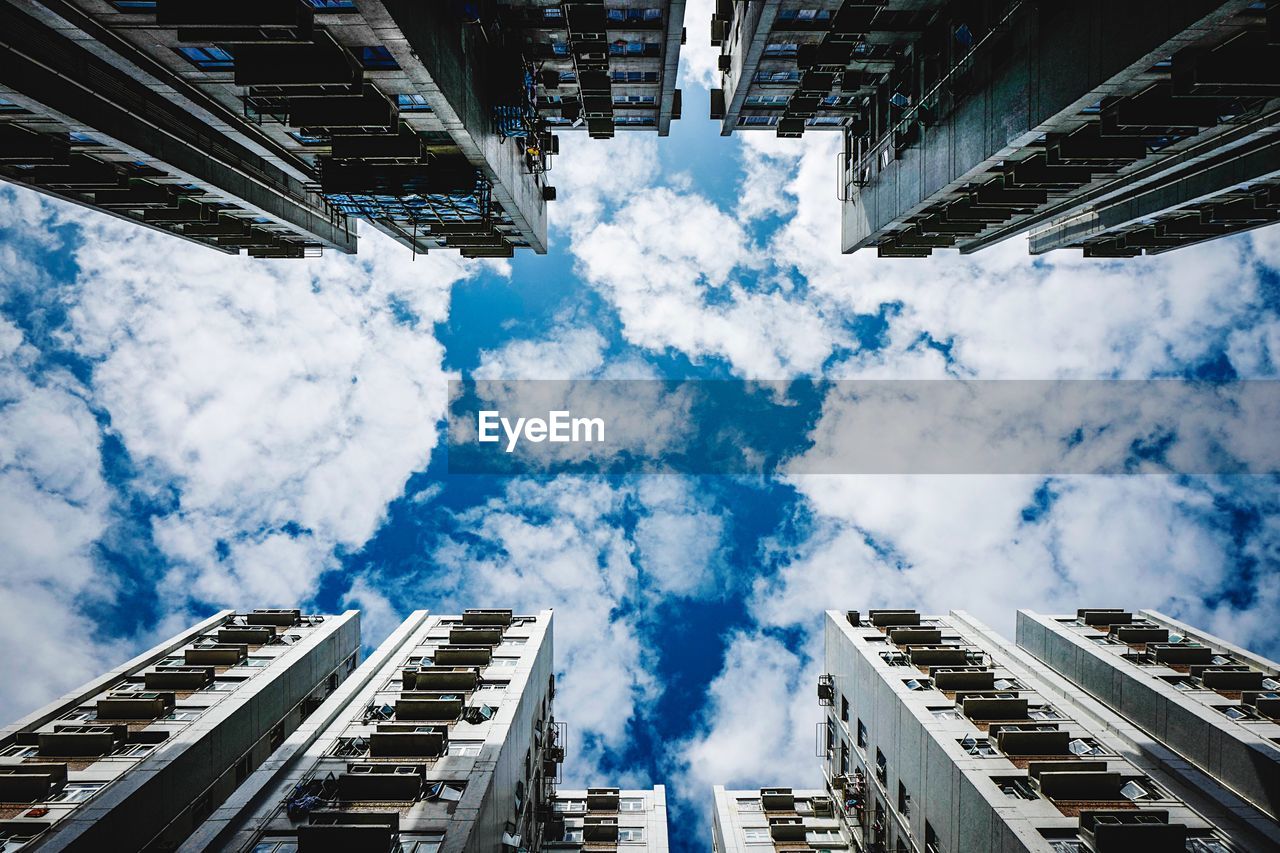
<point x="1044" y="712"/>
<point x="1207" y="845"/>
<point x="466" y="747"/>
<point x="332" y="5"/>
<point x="635" y="121"/>
<point x="208" y="58"/>
<point x="778" y="49"/>
<point x="918" y="683"/>
<point x="77" y="792"/>
<point x="376" y="57"/>
<point x="134" y="5"/>
<point x="977" y="746"/>
<point x="269" y="846"/>
<point x="627" y="100"/>
<point x="631" y="833"/>
<point x="255" y="662"/>
<point x="756" y="835"/>
<point x="882" y="767"/>
<point x="904" y="800"/>
<point x="758" y="121"/>
<point x="862" y="734"/>
<point x="931" y="842"/>
<point x="1086" y="746"/>
<point x="749" y="805"/>
<point x="135" y="750"/>
<point x="621" y="77"/>
<point x="571" y="805"/>
<point x="504" y="662"/>
<point x="1140" y="789"/>
<point x="1235" y="712"/>
<point x="767" y="100"/>
<point x="778" y="77"/>
<point x="844" y="708"/>
<point x="822" y="836"/>
<point x="421" y="842"/>
<point x="1016" y="788"/>
<point x="623" y="47"/>
<point x="1006" y="684"/>
<point x="20" y="751"/>
<point x="945" y="713"/>
<point x="182" y="714"/>
<point x="631" y="804"/>
<point x="634" y="15"/>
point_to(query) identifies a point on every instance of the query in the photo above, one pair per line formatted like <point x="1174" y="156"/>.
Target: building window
<point x="757" y="121"/>
<point x="631" y="804"/>
<point x="634" y="15"/>
<point x="270" y="846"/>
<point x="421" y="842"/>
<point x="19" y="751"/>
<point x="823" y="836"/>
<point x="918" y="684"/>
<point x="571" y="805"/>
<point x="471" y="748"/>
<point x="624" y="77"/>
<point x="307" y="139"/>
<point x="632" y="100"/>
<point x="631" y="833"/>
<point x="749" y="805"/>
<point x="332" y="5"/>
<point x="882" y="767"/>
<point x="931" y="842"/>
<point x="208" y="58"/>
<point x="134" y="5"/>
<point x="781" y="49"/>
<point x="780" y="77"/>
<point x="756" y="835"/>
<point x="1016" y="788"/>
<point x="862" y="734"/>
<point x="633" y="121"/>
<point x="77" y="792"/>
<point x="1086" y="746"/>
<point x="623" y="47"/>
<point x="979" y="747"/>
<point x="945" y="713"/>
<point x="377" y="58"/>
<point x="806" y="15"/>
<point x="135" y="750"/>
<point x="844" y="708"/>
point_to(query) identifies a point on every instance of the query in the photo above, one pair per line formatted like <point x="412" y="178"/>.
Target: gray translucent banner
<point x="863" y="427"/>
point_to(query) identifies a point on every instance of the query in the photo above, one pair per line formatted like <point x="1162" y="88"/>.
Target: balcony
<point x="279" y="618"/>
<point x="441" y="678"/>
<point x="423" y="705"/>
<point x="1104" y="616"/>
<point x="937" y="656"/>
<point x="1125" y="831"/>
<point x="1231" y="679"/>
<point x="381" y="782"/>
<point x="963" y="679"/>
<point x="777" y="800"/>
<point x="603" y="799"/>
<point x="597" y="828"/>
<point x="349" y="832"/>
<point x="391" y="740"/>
<point x="463" y="655"/>
<point x="1140" y="634"/>
<point x="992" y="708"/>
<point x="249" y="635"/>
<point x="787" y="828"/>
<point x="890" y="618"/>
<point x="135" y="706"/>
<point x="475" y="635"/>
<point x="486" y="617"/>
<point x="1018" y="742"/>
<point x="178" y="677"/>
<point x="77" y="741"/>
<point x="1183" y="654"/>
<point x="31" y="783"/>
<point x="223" y="654"/>
<point x="915" y="636"/>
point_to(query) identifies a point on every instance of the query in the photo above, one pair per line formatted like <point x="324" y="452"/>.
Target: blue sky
<point x="182" y="431"/>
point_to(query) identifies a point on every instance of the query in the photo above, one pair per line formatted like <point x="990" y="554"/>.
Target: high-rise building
<point x="1212" y="703"/>
<point x="135" y="759"/>
<point x="273" y="125"/>
<point x="443" y="740"/>
<point x="783" y="818"/>
<point x="942" y="736"/>
<point x="1117" y="128"/>
<point x="603" y="818"/>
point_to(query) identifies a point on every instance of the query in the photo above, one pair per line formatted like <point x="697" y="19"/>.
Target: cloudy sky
<point x="182" y="431"/>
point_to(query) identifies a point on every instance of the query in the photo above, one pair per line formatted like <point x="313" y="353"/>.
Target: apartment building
<point x="1214" y="704"/>
<point x="939" y="735"/>
<point x="1118" y="129"/>
<point x="444" y="740"/>
<point x="784" y="819"/>
<point x="634" y="821"/>
<point x="272" y="126"/>
<point x="602" y="67"/>
<point x="135" y="759"/>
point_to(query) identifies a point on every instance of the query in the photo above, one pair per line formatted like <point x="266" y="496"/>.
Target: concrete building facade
<point x="135" y="759"/>
<point x="1118" y="129"/>
<point x="1215" y="705"/>
<point x="939" y="735"/>
<point x="633" y="821"/>
<point x="785" y="819"/>
<point x="273" y="125"/>
<point x="443" y="740"/>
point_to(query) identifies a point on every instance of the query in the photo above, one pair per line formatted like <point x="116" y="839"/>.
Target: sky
<point x="183" y="431"/>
